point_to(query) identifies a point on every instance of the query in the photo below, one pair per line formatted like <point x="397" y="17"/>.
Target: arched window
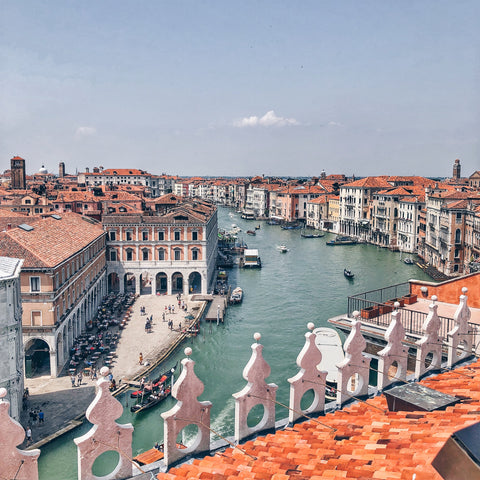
<point x="161" y="254"/>
<point x="145" y="254"/>
<point x="113" y="255"/>
<point x="195" y="254"/>
<point x="177" y="254"/>
<point x="177" y="235"/>
<point x="129" y="253"/>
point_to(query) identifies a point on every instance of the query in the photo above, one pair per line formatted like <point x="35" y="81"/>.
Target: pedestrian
<point x="173" y="308"/>
<point x="163" y="316"/>
<point x="28" y="434"/>
<point x="72" y="378"/>
<point x="169" y="309"/>
<point x="79" y="379"/>
<point x="180" y="326"/>
<point x="34" y="416"/>
<point x="94" y="373"/>
<point x="41" y="416"/>
<point x="140" y="359"/>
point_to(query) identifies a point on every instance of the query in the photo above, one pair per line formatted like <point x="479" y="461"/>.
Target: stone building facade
<point x="63" y="281"/>
<point x="11" y="367"/>
<point x="163" y="253"/>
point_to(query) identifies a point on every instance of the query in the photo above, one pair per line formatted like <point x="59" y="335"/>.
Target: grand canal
<point x="304" y="285"/>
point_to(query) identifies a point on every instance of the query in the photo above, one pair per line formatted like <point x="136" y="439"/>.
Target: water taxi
<point x="282" y="248"/>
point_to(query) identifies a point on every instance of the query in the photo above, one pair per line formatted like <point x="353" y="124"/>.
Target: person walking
<point x="79" y="379"/>
<point x="72" y="379"/>
<point x="140" y="359"/>
<point x="41" y="417"/>
<point x="28" y="434"/>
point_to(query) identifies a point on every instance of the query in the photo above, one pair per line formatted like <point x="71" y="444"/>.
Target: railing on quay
<point x="382" y="299"/>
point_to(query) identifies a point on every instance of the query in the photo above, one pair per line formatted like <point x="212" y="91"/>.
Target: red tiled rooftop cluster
<point x="364" y="441"/>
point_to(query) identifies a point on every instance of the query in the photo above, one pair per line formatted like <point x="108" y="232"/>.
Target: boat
<point x="150" y="401"/>
<point x="348" y="273"/>
<point x="257" y="227"/>
<point x="342" y="240"/>
<point x="329" y="343"/>
<point x="251" y="232"/>
<point x="312" y="235"/>
<point x="150" y="387"/>
<point x="250" y="259"/>
<point x="282" y="248"/>
<point x="236" y="296"/>
<point x="409" y="261"/>
<point x="295" y="226"/>
<point x="248" y="216"/>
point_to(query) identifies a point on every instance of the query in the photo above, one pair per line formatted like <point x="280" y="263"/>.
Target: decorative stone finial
<point x="3" y="392"/>
<point x="310" y="325"/>
<point x="188" y="351"/>
<point x="355" y="313"/>
<point x="434" y="298"/>
<point x="104" y="371"/>
<point x="396" y="305"/>
<point x="464" y="290"/>
<point x="257" y="336"/>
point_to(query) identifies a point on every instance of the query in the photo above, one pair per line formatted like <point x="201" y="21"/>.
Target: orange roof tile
<point x="367" y="441"/>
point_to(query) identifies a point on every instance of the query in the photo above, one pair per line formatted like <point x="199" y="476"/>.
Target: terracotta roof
<point x="50" y="242"/>
<point x="119" y="172"/>
<point x="368" y="182"/>
<point x="365" y="441"/>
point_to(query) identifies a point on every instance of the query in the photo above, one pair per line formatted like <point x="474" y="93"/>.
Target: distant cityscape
<point x="67" y="241"/>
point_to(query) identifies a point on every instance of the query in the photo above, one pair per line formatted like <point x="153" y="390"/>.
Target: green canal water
<point x="304" y="285"/>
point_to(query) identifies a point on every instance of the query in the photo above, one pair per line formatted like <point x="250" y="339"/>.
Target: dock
<point x="216" y="309"/>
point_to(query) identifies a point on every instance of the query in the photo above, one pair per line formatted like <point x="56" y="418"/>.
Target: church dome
<point x="43" y="170"/>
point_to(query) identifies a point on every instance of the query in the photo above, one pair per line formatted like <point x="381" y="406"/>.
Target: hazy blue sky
<point x="241" y="87"/>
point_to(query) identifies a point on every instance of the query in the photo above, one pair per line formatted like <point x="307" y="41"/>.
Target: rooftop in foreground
<point x="363" y="441"/>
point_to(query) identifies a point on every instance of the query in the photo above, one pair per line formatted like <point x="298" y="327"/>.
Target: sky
<point x="241" y="88"/>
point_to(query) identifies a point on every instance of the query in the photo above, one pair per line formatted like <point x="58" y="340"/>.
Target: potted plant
<point x="369" y="312"/>
<point x="409" y="298"/>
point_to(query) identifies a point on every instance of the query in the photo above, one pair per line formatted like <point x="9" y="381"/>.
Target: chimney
<point x="9" y="226"/>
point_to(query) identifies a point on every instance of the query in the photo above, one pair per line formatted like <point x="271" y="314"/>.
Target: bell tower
<point x="457" y="169"/>
<point x="17" y="168"/>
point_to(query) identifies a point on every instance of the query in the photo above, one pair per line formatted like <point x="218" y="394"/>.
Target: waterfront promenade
<point x="64" y="405"/>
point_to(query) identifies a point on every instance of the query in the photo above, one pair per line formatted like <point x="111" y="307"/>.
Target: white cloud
<point x="268" y="120"/>
<point x="334" y="124"/>
<point x="85" y="132"/>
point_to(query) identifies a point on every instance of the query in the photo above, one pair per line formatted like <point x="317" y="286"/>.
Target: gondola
<point x="150" y="387"/>
<point x="348" y="273"/>
<point x="150" y="401"/>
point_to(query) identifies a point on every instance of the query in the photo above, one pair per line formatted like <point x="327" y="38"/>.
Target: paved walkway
<point x="62" y="404"/>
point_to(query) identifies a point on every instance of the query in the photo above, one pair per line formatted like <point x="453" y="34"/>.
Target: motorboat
<point x="409" y="261"/>
<point x="342" y="240"/>
<point x="348" y="273"/>
<point x="282" y="248"/>
<point x="312" y="235"/>
<point x="329" y="343"/>
<point x="236" y="296"/>
<point x="251" y="232"/>
<point x="257" y="227"/>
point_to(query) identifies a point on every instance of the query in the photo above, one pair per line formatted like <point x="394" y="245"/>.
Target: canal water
<point x="306" y="284"/>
